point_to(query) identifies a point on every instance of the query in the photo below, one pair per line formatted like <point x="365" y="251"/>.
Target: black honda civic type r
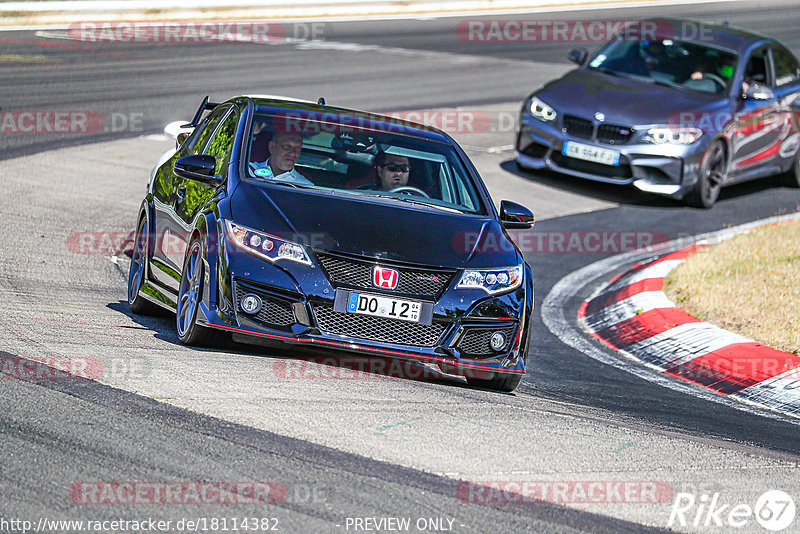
<point x="275" y="221"/>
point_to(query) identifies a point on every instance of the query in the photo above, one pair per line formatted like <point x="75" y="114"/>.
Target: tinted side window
<point x="195" y="136"/>
<point x="222" y="142"/>
<point x="207" y="128"/>
<point x="756" y="68"/>
<point x="787" y="70"/>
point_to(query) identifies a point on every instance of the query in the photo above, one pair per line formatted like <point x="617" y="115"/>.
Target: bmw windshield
<point x="372" y="159"/>
<point x="671" y="62"/>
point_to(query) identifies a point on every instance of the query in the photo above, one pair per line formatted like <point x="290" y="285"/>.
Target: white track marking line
<point x="554" y="308"/>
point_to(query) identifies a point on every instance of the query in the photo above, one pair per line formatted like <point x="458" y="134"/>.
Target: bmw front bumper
<point x="666" y="169"/>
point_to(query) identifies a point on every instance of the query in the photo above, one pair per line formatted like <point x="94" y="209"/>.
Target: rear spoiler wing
<point x="206" y="105"/>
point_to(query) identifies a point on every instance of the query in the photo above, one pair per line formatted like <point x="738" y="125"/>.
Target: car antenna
<point x="321" y="101"/>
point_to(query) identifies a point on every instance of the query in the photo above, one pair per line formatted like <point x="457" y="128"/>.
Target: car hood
<point x="374" y="228"/>
<point x="625" y="101"/>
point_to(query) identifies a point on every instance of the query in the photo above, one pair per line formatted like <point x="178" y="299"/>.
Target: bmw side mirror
<point x="199" y="168"/>
<point x="512" y="215"/>
<point x="756" y="91"/>
<point x="578" y="56"/>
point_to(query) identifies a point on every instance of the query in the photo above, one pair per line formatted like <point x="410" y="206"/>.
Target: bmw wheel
<point x="712" y="175"/>
<point x="791" y="178"/>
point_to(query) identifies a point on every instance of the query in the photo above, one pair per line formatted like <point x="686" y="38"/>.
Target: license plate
<point x="388" y="307"/>
<point x="590" y="153"/>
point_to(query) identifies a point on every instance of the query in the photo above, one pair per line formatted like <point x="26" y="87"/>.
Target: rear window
<point x="371" y="159"/>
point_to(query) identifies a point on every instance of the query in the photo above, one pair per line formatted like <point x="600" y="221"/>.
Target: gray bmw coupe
<point x="674" y="107"/>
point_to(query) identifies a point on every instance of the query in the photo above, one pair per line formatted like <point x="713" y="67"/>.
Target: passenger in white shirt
<point x="284" y="149"/>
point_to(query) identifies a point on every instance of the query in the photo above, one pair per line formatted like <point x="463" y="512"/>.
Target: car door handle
<point x="181" y="193"/>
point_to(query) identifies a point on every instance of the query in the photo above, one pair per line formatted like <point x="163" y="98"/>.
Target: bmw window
<point x="787" y="69"/>
<point x="672" y="62"/>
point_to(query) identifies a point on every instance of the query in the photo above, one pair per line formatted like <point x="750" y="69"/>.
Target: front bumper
<point x="299" y="306"/>
<point x="669" y="170"/>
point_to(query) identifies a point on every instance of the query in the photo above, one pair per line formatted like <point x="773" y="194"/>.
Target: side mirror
<point x="578" y="56"/>
<point x="199" y="168"/>
<point x="512" y="215"/>
<point x="756" y="91"/>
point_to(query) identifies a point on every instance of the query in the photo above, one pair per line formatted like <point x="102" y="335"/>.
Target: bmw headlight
<point x="542" y="111"/>
<point x="267" y="246"/>
<point x="673" y="136"/>
<point x="491" y="280"/>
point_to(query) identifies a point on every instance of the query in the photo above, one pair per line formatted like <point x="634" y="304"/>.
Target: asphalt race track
<point x="338" y="447"/>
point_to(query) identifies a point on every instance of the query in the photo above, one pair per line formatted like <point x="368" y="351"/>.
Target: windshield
<point x="307" y="150"/>
<point x="677" y="63"/>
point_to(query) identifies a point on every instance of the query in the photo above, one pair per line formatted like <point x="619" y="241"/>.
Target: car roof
<point x="362" y="119"/>
<point x="707" y="33"/>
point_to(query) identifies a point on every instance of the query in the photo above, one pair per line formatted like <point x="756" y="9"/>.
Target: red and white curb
<point x="632" y="316"/>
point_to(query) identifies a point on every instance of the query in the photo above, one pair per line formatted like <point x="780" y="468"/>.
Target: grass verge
<point x="749" y="284"/>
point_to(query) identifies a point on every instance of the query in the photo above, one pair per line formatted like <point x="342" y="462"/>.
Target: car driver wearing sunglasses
<point x="392" y="170"/>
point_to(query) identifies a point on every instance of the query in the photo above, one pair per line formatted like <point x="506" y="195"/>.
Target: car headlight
<point x="673" y="136"/>
<point x="491" y="280"/>
<point x="267" y="246"/>
<point x="542" y="111"/>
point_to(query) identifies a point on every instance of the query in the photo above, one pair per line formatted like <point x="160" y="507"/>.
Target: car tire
<point x="712" y="175"/>
<point x="499" y="382"/>
<point x="791" y="178"/>
<point x="138" y="271"/>
<point x="190" y="294"/>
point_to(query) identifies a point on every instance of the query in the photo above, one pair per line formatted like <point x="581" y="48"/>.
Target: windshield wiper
<point x="291" y="184"/>
<point x="421" y="202"/>
<point x="665" y="83"/>
<point x="401" y="199"/>
<point x="610" y="72"/>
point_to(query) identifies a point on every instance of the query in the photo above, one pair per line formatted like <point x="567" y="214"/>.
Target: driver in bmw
<point x="392" y="170"/>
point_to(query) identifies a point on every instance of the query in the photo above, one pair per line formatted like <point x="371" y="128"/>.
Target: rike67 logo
<point x="774" y="510"/>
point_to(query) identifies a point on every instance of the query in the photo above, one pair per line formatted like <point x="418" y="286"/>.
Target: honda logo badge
<point x="385" y="278"/>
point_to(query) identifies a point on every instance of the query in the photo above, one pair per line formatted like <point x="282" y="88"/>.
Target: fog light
<point x="251" y="304"/>
<point x="498" y="341"/>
